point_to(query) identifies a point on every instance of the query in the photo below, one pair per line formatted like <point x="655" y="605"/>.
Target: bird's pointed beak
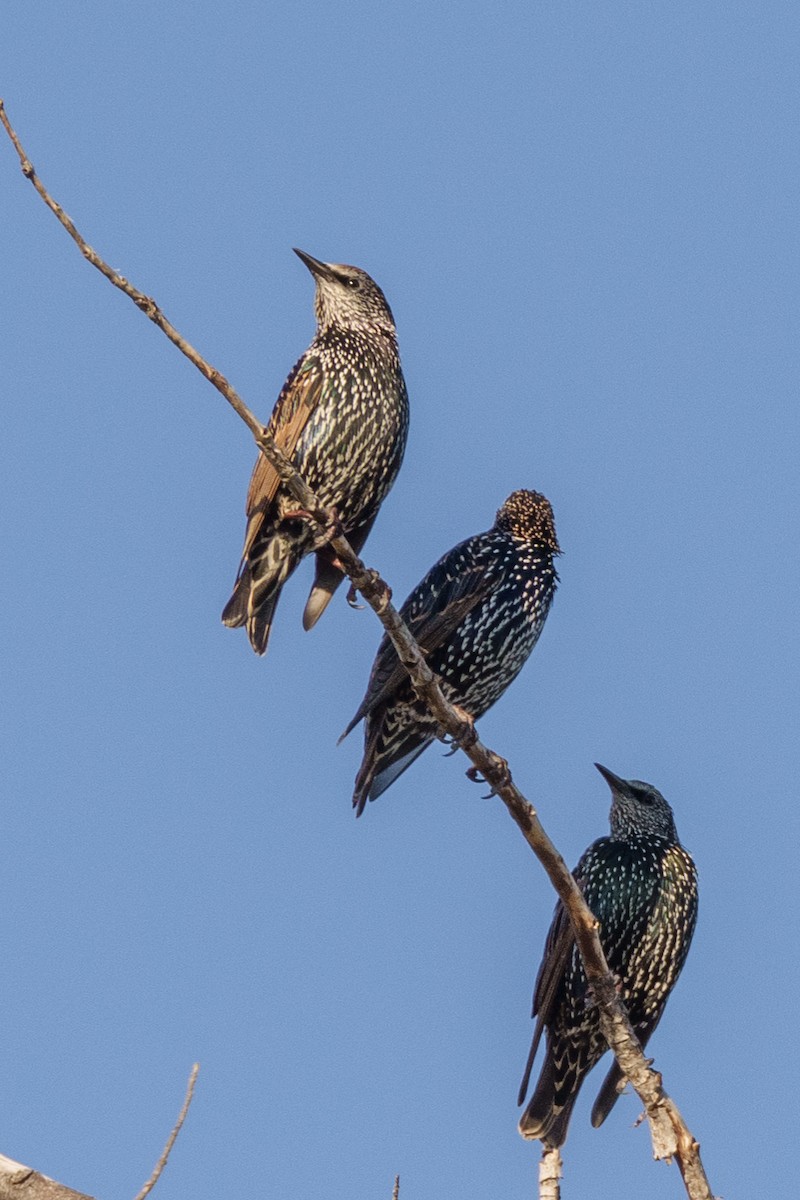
<point x="319" y="270"/>
<point x="614" y="782"/>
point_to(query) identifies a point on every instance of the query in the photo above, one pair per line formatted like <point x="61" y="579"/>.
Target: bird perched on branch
<point x="477" y="615"/>
<point x="642" y="886"/>
<point x="342" y="419"/>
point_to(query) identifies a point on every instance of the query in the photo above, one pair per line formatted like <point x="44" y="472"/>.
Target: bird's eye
<point x="353" y="283"/>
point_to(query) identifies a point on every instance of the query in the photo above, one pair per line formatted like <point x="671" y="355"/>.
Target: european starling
<point x="642" y="886"/>
<point x="477" y="615"/>
<point x="342" y="418"/>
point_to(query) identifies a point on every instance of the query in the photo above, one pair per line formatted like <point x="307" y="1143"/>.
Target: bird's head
<point x="347" y="296"/>
<point x="637" y="808"/>
<point x="529" y="517"/>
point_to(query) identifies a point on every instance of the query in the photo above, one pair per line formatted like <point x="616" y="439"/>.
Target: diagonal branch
<point x="670" y="1135"/>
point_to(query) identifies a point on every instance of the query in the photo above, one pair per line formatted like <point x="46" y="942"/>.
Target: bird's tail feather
<point x="526" y="1077"/>
<point x="259" y="625"/>
<point x="548" y="1115"/>
<point x="387" y="775"/>
<point x="538" y="1116"/>
<point x="615" y="1082"/>
<point x="258" y="586"/>
<point x="328" y="577"/>
<point x="608" y="1095"/>
<point x="234" y="613"/>
<point x="379" y="768"/>
<point x="326" y="580"/>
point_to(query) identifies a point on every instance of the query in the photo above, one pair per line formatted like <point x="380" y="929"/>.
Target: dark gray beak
<point x="319" y="270"/>
<point x="614" y="782"/>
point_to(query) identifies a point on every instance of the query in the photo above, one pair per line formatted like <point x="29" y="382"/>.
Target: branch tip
<point x="162" y="1162"/>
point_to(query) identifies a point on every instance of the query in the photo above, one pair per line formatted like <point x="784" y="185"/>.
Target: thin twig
<point x="396" y="1188"/>
<point x="162" y="1162"/>
<point x="670" y="1135"/>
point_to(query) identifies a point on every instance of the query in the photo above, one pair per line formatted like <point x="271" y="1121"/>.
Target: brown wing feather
<point x="299" y="398"/>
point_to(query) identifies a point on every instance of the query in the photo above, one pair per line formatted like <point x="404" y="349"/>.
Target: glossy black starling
<point x="477" y="614"/>
<point x="642" y="886"/>
<point x="342" y="418"/>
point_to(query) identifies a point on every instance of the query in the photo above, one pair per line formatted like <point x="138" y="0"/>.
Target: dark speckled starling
<point x="477" y="614"/>
<point x="342" y="418"/>
<point x="642" y="886"/>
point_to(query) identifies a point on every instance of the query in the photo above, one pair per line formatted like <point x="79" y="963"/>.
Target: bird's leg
<point x="466" y="735"/>
<point x="468" y="720"/>
<point x="297" y="514"/>
<point x="334" y="528"/>
<point x="465" y="739"/>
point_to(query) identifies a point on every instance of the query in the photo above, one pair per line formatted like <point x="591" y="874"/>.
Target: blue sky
<point x="585" y="220"/>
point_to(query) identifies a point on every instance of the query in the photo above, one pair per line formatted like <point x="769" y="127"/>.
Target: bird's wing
<point x="456" y="596"/>
<point x="557" y="951"/>
<point x="300" y="396"/>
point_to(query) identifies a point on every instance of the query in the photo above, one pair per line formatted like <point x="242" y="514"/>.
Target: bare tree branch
<point x="162" y="1162"/>
<point x="550" y="1173"/>
<point x="396" y="1188"/>
<point x="671" y="1137"/>
<point x="23" y="1183"/>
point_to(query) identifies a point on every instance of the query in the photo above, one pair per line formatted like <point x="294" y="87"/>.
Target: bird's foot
<point x="590" y="995"/>
<point x="501" y="775"/>
<point x="374" y="584"/>
<point x="380" y="590"/>
<point x="334" y="527"/>
<point x="352" y="598"/>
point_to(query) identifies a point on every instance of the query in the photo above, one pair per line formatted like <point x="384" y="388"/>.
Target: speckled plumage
<point x="342" y="418"/>
<point x="642" y="886"/>
<point x="478" y="613"/>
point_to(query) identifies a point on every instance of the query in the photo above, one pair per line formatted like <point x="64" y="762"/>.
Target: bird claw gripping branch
<point x="334" y="528"/>
<point x="466" y="736"/>
<point x="352" y="598"/>
<point x="503" y="770"/>
<point x="381" y="590"/>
